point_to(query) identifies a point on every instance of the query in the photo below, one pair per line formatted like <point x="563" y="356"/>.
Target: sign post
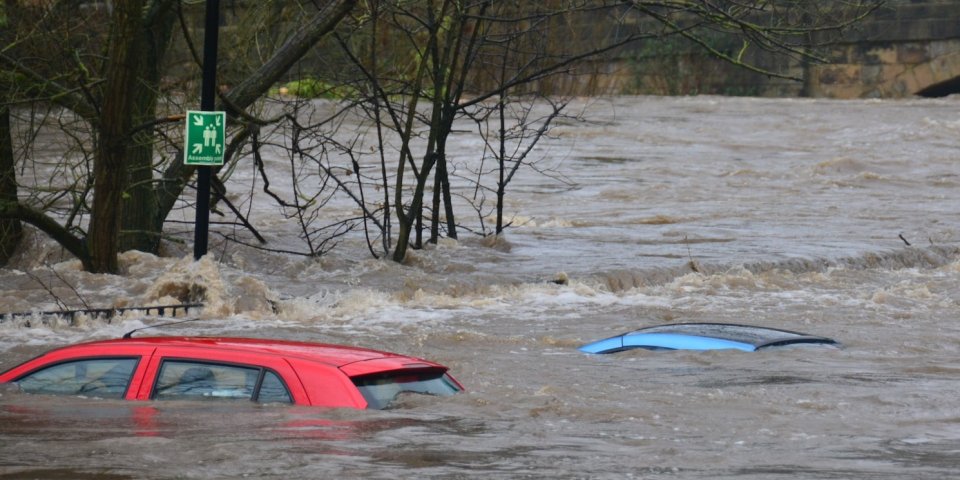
<point x="208" y="138"/>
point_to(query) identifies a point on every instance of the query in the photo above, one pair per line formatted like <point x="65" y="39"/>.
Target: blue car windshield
<point x="381" y="389"/>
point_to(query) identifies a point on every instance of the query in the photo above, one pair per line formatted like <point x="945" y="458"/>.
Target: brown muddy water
<point x="772" y="212"/>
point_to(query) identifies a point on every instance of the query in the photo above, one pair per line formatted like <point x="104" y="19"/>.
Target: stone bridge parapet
<point x="906" y="48"/>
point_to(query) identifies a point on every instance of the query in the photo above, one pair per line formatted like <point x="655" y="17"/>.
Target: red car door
<point x="214" y="356"/>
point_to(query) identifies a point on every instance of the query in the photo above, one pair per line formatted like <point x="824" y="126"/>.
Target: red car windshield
<point x="381" y="389"/>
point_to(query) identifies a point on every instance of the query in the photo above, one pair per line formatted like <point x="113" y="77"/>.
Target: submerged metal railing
<point x="104" y="312"/>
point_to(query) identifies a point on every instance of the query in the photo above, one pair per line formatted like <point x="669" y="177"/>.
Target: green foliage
<point x="313" y="88"/>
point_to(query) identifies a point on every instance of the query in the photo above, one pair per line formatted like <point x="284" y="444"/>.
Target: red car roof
<point x="334" y="355"/>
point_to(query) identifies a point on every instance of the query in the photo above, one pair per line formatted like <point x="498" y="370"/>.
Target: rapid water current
<point x="833" y="218"/>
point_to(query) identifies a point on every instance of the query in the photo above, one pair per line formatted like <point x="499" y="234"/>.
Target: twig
<point x="65" y="282"/>
<point x="45" y="287"/>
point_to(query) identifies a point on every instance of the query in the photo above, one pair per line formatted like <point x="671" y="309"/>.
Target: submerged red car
<point x="259" y="370"/>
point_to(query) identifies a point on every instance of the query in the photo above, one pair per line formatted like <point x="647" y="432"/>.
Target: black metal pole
<point x="208" y="97"/>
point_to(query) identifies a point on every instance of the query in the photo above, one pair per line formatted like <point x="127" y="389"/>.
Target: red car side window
<point x="272" y="390"/>
<point x="94" y="377"/>
<point x="185" y="379"/>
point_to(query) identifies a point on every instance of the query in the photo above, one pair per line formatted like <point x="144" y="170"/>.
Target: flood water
<point x="784" y="213"/>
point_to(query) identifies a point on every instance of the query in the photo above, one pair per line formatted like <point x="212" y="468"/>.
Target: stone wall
<point x="908" y="47"/>
<point x="885" y="70"/>
<point x="905" y="49"/>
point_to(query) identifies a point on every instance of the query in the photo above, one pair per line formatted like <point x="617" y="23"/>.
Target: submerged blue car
<point x="704" y="336"/>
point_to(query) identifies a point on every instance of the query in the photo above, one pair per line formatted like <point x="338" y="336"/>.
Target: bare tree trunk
<point x="11" y="230"/>
<point x="445" y="190"/>
<point x="435" y="207"/>
<point x="442" y="194"/>
<point x="116" y="118"/>
<point x="414" y="213"/>
<point x="313" y="30"/>
<point x="140" y="229"/>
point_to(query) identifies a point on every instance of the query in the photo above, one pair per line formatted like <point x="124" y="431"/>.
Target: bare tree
<point x="510" y="131"/>
<point x="416" y="70"/>
<point x="472" y="56"/>
<point x="454" y="44"/>
<point x="116" y="101"/>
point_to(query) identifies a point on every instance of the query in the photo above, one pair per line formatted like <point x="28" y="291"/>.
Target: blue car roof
<point x="704" y="336"/>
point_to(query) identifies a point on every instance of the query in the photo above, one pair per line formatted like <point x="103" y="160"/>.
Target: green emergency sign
<point x="204" y="138"/>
